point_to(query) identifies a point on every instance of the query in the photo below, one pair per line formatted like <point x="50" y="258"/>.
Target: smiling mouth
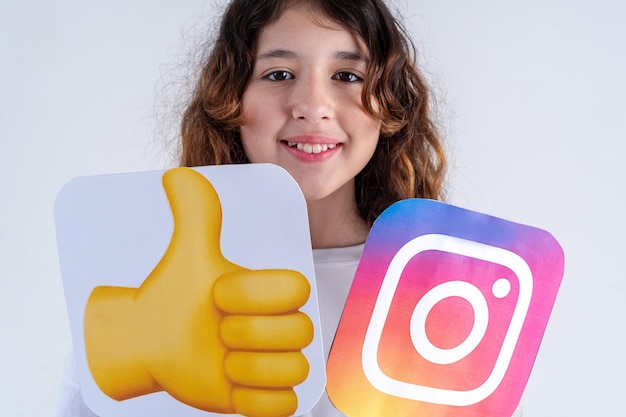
<point x="312" y="147"/>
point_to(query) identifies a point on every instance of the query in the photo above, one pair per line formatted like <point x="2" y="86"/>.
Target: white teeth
<point x="312" y="148"/>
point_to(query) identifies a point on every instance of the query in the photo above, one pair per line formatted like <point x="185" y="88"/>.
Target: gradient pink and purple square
<point x="474" y="278"/>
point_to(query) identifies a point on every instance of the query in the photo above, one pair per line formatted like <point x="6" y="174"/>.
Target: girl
<point x="328" y="90"/>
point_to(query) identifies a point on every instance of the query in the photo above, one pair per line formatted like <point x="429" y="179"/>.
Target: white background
<point x="531" y="94"/>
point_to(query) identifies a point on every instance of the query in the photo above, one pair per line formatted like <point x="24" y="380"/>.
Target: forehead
<point x="304" y="26"/>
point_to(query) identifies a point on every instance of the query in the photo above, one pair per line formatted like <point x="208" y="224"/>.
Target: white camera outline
<point x="464" y="247"/>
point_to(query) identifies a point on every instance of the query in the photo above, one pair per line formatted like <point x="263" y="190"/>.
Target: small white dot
<point x="501" y="288"/>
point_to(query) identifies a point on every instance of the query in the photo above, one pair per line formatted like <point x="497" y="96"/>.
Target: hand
<point x="213" y="334"/>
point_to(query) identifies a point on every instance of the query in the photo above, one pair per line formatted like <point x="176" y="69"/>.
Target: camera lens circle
<point x="436" y="294"/>
<point x="501" y="288"/>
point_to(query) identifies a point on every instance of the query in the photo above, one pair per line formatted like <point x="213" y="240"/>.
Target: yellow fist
<point x="212" y="334"/>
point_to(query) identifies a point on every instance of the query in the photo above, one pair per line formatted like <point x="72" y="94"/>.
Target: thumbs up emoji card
<point x="191" y="292"/>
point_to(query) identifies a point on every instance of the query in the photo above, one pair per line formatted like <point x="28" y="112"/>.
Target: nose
<point x="312" y="100"/>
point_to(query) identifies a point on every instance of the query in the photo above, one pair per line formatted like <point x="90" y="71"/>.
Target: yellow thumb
<point x="195" y="208"/>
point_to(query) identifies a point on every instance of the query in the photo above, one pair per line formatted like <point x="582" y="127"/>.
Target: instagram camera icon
<point x="445" y="315"/>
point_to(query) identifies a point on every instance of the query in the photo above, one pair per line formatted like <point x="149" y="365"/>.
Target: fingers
<point x="263" y="292"/>
<point x="253" y="402"/>
<point x="195" y="207"/>
<point x="267" y="333"/>
<point x="267" y="370"/>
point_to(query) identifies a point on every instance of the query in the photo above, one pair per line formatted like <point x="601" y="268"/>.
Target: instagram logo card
<point x="445" y="315"/>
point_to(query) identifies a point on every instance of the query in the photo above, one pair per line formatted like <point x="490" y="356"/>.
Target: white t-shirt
<point x="334" y="270"/>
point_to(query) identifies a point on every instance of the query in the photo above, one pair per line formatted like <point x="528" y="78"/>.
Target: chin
<point x="312" y="197"/>
<point x="333" y="197"/>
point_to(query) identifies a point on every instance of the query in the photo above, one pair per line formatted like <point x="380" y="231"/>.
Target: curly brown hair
<point x="409" y="160"/>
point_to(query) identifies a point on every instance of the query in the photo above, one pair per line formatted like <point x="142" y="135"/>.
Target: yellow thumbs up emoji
<point x="212" y="334"/>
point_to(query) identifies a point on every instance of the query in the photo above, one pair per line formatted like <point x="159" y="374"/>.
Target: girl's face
<point x="302" y="105"/>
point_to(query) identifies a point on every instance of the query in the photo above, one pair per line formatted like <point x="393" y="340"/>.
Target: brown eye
<point x="348" y="77"/>
<point x="279" y="76"/>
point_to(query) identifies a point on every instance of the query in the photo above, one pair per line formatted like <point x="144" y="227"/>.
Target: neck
<point x="334" y="222"/>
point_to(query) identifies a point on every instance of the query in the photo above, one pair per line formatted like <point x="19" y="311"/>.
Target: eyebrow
<point x="277" y="53"/>
<point x="287" y="54"/>
<point x="350" y="56"/>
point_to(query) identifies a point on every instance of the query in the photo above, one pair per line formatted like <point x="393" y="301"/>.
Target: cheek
<point x="252" y="115"/>
<point x="261" y="111"/>
<point x="373" y="136"/>
<point x="368" y="126"/>
<point x="370" y="132"/>
<point x="253" y="145"/>
<point x="246" y="144"/>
